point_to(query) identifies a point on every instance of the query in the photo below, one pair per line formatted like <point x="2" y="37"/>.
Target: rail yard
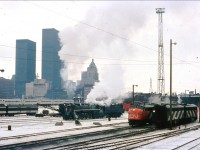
<point x="29" y="132"/>
<point x="84" y="126"/>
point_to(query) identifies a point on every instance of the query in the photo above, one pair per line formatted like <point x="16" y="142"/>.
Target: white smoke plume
<point x="166" y="100"/>
<point x="81" y="43"/>
<point x="156" y="99"/>
<point x="179" y="100"/>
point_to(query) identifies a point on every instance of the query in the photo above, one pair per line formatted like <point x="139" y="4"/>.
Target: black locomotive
<point x="181" y="114"/>
<point x="88" y="111"/>
<point x="160" y="114"/>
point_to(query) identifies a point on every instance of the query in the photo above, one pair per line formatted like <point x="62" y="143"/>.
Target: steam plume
<point x="81" y="40"/>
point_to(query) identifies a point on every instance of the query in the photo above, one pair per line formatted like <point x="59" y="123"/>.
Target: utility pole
<point x="171" y="83"/>
<point x="150" y="89"/>
<point x="161" y="75"/>
<point x="199" y="111"/>
<point x="133" y="94"/>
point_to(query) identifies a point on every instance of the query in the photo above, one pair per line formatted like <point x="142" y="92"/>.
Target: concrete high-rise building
<point x="51" y="63"/>
<point x="90" y="76"/>
<point x="88" y="79"/>
<point x="6" y="88"/>
<point x="37" y="88"/>
<point x="25" y="65"/>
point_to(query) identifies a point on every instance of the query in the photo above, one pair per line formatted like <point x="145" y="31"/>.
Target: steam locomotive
<point x="160" y="114"/>
<point x="87" y="111"/>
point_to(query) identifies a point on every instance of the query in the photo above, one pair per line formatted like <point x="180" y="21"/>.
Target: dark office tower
<point x="51" y="63"/>
<point x="25" y="65"/>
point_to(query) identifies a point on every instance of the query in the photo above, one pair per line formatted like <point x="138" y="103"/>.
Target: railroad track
<point x="56" y="139"/>
<point x="192" y="144"/>
<point x="189" y="145"/>
<point x="127" y="141"/>
<point x="21" y="123"/>
<point x="102" y="142"/>
<point x="31" y="121"/>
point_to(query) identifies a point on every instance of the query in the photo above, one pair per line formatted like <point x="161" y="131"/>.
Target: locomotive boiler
<point x="90" y="111"/>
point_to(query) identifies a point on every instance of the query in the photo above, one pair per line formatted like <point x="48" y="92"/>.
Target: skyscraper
<point x="25" y="65"/>
<point x="90" y="76"/>
<point x="51" y="63"/>
<point x="88" y="79"/>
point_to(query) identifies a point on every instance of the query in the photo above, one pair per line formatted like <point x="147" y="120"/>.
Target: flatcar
<point x="160" y="114"/>
<point x="11" y="110"/>
<point x="87" y="111"/>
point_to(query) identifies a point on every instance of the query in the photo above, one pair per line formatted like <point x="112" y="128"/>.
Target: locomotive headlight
<point x="154" y="111"/>
<point x="140" y="113"/>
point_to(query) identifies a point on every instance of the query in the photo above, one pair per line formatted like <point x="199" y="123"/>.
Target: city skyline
<point x="128" y="41"/>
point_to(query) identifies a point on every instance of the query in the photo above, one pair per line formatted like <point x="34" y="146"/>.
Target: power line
<point x="92" y="26"/>
<point x="110" y="33"/>
<point x="73" y="55"/>
<point x="144" y="61"/>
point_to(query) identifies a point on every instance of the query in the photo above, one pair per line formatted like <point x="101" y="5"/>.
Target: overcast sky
<point x="121" y="37"/>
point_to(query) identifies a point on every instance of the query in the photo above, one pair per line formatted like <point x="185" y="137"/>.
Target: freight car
<point x="87" y="111"/>
<point x="160" y="114"/>
<point x="11" y="110"/>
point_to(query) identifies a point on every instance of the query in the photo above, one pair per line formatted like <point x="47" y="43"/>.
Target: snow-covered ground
<point x="22" y="125"/>
<point x="178" y="140"/>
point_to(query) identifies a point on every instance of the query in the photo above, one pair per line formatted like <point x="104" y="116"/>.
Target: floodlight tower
<point x="161" y="75"/>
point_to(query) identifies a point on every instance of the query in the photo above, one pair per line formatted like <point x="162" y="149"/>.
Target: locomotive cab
<point x="141" y="114"/>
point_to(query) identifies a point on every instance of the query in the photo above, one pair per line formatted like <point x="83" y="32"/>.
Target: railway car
<point x="45" y="102"/>
<point x="2" y="110"/>
<point x="87" y="111"/>
<point x="11" y="110"/>
<point x="160" y="114"/>
<point x="141" y="114"/>
<point x="10" y="101"/>
<point x="181" y="114"/>
<point x="114" y="110"/>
